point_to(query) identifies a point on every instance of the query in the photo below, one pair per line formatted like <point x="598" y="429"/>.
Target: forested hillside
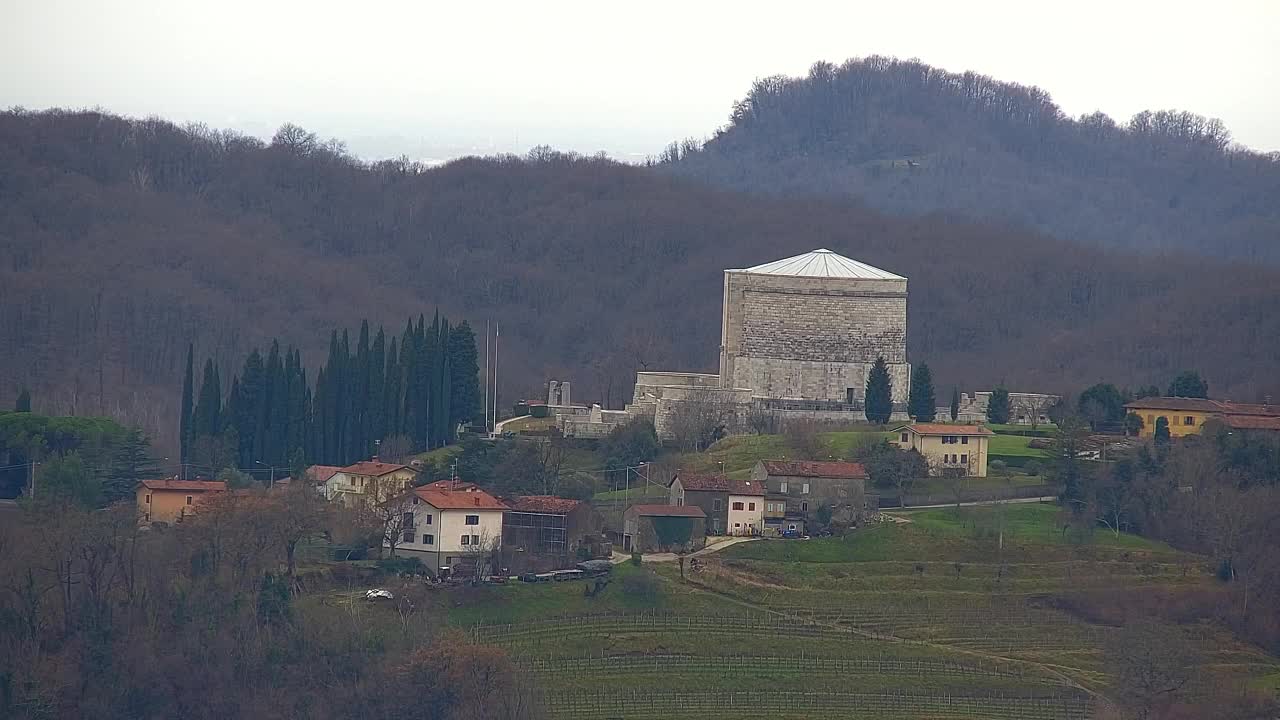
<point x="909" y="138"/>
<point x="123" y="241"/>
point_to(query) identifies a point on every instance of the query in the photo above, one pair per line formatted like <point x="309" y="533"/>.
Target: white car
<point x="379" y="594"/>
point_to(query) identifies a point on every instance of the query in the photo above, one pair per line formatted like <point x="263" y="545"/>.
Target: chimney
<point x="374" y="459"/>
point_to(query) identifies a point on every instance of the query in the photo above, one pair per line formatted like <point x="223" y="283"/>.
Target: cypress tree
<point x="375" y="428"/>
<point x="346" y="404"/>
<point x="464" y="375"/>
<point x="922" y="405"/>
<point x="329" y="402"/>
<point x="185" y="428"/>
<point x="361" y="442"/>
<point x="320" y="419"/>
<point x="392" y="403"/>
<point x="275" y="410"/>
<point x="444" y="390"/>
<point x="249" y="408"/>
<point x="24" y="401"/>
<point x="879" y="398"/>
<point x="208" y="411"/>
<point x="296" y="401"/>
<point x="998" y="406"/>
<point x="955" y="403"/>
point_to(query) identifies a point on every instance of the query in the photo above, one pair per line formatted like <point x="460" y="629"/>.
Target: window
<point x="737" y="506"/>
<point x="680" y="500"/>
<point x="426" y="519"/>
<point x="715" y="525"/>
<point x="737" y="525"/>
<point x="804" y="507"/>
<point x="804" y="489"/>
<point x="902" y="438"/>
<point x="1151" y="420"/>
<point x="416" y="500"/>
<point x="148" y="499"/>
<point x="406" y="520"/>
<point x="466" y="540"/>
<point x="475" y="539"/>
<point x="964" y="440"/>
<point x="964" y="459"/>
<point x="473" y="519"/>
<point x="428" y="539"/>
<point x="715" y="504"/>
<point x="751" y="506"/>
<point x="408" y="536"/>
<point x="188" y="499"/>
<point x="1189" y="420"/>
<point x="782" y="486"/>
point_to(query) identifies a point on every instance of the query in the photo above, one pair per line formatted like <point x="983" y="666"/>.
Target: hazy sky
<point x="428" y="78"/>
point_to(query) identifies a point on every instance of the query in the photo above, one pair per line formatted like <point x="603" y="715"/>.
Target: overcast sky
<point x="427" y="78"/>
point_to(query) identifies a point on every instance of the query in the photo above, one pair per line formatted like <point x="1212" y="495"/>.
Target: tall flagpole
<point x="487" y="330"/>
<point x="497" y="331"/>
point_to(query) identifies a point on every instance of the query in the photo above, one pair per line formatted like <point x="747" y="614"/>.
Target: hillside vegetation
<point x="909" y="138"/>
<point x="122" y="240"/>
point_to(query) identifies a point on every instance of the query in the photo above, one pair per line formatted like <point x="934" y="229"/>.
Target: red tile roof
<point x="1251" y="422"/>
<point x="375" y="469"/>
<point x="945" y="429"/>
<point x="449" y="485"/>
<point x="319" y="474"/>
<point x="185" y="485"/>
<point x="1217" y="407"/>
<point x="548" y="504"/>
<point x="471" y="498"/>
<point x="718" y="483"/>
<point x="691" y="511"/>
<point x="849" y="470"/>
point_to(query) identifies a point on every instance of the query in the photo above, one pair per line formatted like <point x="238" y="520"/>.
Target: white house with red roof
<point x="368" y="478"/>
<point x="452" y="524"/>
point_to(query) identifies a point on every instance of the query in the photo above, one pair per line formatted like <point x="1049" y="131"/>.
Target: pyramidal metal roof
<point x="822" y="263"/>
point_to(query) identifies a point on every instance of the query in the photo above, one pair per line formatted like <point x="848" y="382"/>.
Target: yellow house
<point x="948" y="446"/>
<point x="169" y="501"/>
<point x="1186" y="416"/>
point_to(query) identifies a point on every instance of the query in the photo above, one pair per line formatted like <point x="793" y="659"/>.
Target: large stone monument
<point x="809" y="328"/>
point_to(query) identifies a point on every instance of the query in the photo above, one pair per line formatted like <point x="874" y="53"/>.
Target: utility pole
<point x="497" y="332"/>
<point x="33" y="480"/>
<point x="487" y="332"/>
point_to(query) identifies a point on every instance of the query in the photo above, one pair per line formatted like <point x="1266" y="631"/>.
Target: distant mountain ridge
<point x="905" y="137"/>
<point x="121" y="241"/>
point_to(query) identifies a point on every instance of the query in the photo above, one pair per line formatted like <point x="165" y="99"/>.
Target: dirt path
<point x="716" y="547"/>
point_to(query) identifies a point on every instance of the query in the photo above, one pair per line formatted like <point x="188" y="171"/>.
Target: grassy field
<point x="1013" y="445"/>
<point x="950" y="614"/>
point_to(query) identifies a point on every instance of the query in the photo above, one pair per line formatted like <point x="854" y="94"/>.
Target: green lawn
<point x="1013" y="446"/>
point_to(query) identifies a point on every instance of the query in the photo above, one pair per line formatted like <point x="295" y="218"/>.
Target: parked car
<point x="378" y="595"/>
<point x="791" y="534"/>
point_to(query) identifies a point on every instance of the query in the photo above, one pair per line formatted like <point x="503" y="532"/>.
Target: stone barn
<point x="663" y="528"/>
<point x="807" y="329"/>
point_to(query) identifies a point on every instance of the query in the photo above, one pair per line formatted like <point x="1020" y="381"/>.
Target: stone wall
<point x="812" y="338"/>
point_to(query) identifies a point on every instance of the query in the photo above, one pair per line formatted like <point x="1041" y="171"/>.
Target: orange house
<point x="169" y="500"/>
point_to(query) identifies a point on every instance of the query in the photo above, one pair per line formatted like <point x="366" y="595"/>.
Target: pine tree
<point x="955" y="404"/>
<point x="922" y="405"/>
<point x="131" y="462"/>
<point x="1189" y="384"/>
<point x="998" y="406"/>
<point x="464" y="369"/>
<point x="185" y="428"/>
<point x="24" y="401"/>
<point x="879" y="397"/>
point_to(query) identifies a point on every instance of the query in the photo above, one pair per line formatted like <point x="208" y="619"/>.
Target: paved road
<point x="497" y="429"/>
<point x="672" y="557"/>
<point x="1010" y="501"/>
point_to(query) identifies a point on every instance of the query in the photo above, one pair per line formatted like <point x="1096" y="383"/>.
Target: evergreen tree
<point x="275" y="411"/>
<point x="464" y="369"/>
<point x="208" y="411"/>
<point x="1189" y="384"/>
<point x="922" y="405"/>
<point x="362" y="444"/>
<point x="393" y="402"/>
<point x="879" y="398"/>
<point x="186" y="429"/>
<point x="250" y="408"/>
<point x="296" y="436"/>
<point x="1162" y="435"/>
<point x="24" y="401"/>
<point x="998" y="406"/>
<point x="131" y="462"/>
<point x="955" y="404"/>
<point x="376" y="418"/>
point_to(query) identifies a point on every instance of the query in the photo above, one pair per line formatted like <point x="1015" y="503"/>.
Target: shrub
<point x="1032" y="468"/>
<point x="642" y="585"/>
<point x="635" y="558"/>
<point x="401" y="565"/>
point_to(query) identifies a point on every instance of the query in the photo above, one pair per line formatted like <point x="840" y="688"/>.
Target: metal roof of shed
<point x="821" y="263"/>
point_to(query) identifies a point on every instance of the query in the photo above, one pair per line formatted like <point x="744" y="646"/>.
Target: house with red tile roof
<point x="368" y="480"/>
<point x="544" y="532"/>
<point x="804" y="496"/>
<point x="1186" y="416"/>
<point x="450" y="525"/>
<point x="732" y="507"/>
<point x="948" y="448"/>
<point x="170" y="500"/>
